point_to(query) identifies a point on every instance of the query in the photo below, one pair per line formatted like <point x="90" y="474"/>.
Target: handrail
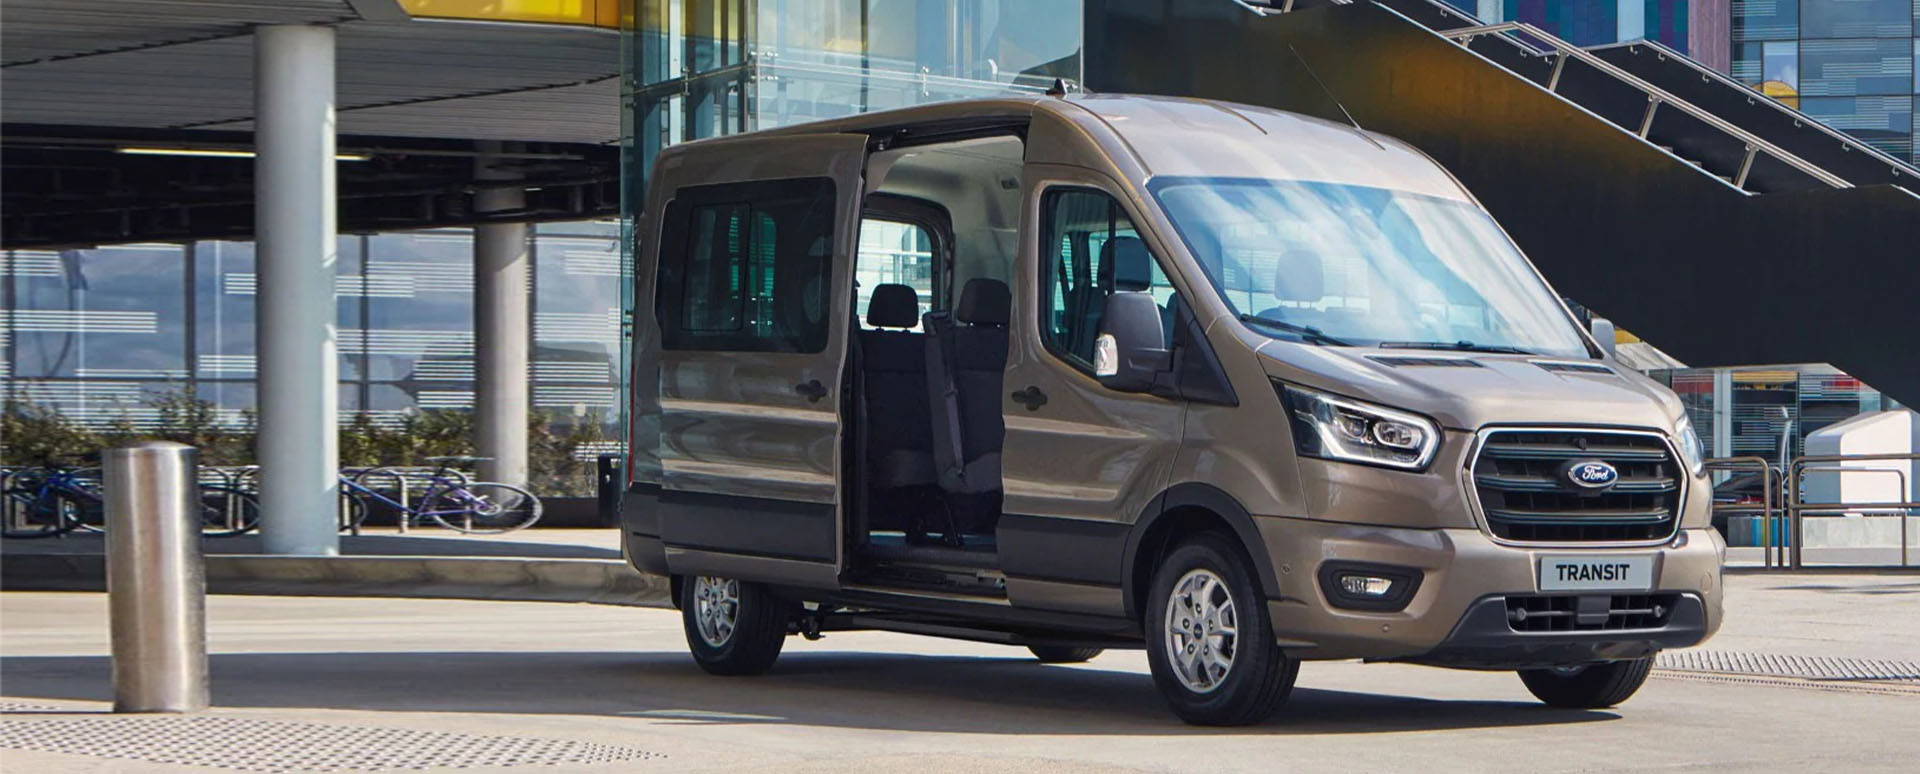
<point x="1767" y="490"/>
<point x="1655" y="95"/>
<point x="1853" y="143"/>
<point x="1796" y="510"/>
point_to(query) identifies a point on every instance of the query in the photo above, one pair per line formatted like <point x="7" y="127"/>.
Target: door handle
<point x="1031" y="397"/>
<point x="812" y="390"/>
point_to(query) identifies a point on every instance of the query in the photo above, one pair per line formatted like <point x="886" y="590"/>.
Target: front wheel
<point x="1592" y="686"/>
<point x="1209" y="638"/>
<point x="483" y="508"/>
<point x="733" y="628"/>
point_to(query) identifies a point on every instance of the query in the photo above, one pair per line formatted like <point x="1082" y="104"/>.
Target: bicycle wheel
<point x="483" y="508"/>
<point x="28" y="513"/>
<point x="227" y="511"/>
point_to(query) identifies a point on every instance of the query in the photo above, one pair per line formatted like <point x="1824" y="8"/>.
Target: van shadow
<point x="852" y="690"/>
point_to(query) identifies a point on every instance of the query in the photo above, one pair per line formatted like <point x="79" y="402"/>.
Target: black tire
<point x="1061" y="654"/>
<point x="759" y="625"/>
<point x="483" y="508"/>
<point x="1258" y="677"/>
<point x="1593" y="686"/>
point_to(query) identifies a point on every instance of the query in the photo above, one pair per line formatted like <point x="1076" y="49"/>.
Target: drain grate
<point x="1802" y="667"/>
<point x="247" y="744"/>
<point x="22" y="706"/>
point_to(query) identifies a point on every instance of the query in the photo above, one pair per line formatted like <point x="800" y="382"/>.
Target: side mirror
<point x="1602" y="329"/>
<point x="1131" y="353"/>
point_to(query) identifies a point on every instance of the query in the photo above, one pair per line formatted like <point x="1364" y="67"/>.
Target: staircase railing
<point x="1656" y="97"/>
<point x="1539" y="42"/>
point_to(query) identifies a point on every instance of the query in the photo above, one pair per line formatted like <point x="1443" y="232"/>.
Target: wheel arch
<point x="1185" y="509"/>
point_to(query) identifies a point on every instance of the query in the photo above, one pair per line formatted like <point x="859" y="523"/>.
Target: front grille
<point x="1526" y="495"/>
<point x="1537" y="613"/>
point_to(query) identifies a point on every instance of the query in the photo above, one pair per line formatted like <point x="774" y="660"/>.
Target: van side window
<point x="893" y="253"/>
<point x="746" y="267"/>
<point x="1083" y="229"/>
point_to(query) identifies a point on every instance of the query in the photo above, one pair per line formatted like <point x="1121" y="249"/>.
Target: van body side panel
<point x="748" y="440"/>
<point x="1080" y="468"/>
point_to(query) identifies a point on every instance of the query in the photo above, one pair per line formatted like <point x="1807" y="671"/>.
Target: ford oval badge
<point x="1592" y="474"/>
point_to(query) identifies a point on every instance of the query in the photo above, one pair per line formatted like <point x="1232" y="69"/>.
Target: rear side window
<point x="747" y="267"/>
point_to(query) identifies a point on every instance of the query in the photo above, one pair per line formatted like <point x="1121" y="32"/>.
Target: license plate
<point x="1596" y="573"/>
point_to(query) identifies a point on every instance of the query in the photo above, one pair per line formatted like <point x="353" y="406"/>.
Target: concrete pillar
<point x="502" y="330"/>
<point x="294" y="309"/>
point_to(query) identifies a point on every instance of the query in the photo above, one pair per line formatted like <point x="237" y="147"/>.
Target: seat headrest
<point x="984" y="301"/>
<point x="1125" y="264"/>
<point x="893" y="306"/>
<point x="1299" y="277"/>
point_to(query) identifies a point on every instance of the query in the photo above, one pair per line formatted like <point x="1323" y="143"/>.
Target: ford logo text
<point x="1592" y="474"/>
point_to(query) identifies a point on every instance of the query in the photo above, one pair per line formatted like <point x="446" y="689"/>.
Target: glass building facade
<point x="705" y="68"/>
<point x="1594" y="22"/>
<point x="98" y="334"/>
<point x="1761" y="404"/>
<point x="1848" y="63"/>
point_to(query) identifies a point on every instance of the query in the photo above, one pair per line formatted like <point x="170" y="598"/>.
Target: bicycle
<point x="450" y="500"/>
<point x="59" y="499"/>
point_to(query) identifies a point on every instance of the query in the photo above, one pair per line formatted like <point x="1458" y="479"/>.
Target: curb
<point x="597" y="581"/>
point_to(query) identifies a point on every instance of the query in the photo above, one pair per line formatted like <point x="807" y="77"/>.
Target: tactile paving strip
<point x="1803" y="667"/>
<point x="246" y="744"/>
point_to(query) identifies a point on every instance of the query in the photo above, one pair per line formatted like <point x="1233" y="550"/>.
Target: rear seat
<point x="966" y="356"/>
<point x="897" y="425"/>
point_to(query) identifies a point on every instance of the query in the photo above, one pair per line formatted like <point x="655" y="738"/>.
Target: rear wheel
<point x="733" y="628"/>
<point x="1060" y="654"/>
<point x="483" y="508"/>
<point x="1592" y="686"/>
<point x="1209" y="639"/>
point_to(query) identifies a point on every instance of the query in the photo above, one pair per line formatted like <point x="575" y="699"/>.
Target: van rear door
<point x="751" y="301"/>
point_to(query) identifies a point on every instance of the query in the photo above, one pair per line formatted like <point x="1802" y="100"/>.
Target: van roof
<point x="1185" y="137"/>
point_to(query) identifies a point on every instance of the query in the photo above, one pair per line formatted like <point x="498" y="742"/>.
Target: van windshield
<point x="1335" y="264"/>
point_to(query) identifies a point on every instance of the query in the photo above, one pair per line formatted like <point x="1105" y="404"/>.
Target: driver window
<point x="1087" y="243"/>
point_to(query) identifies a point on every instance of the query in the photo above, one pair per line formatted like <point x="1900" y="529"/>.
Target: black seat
<point x="897" y="425"/>
<point x="966" y="357"/>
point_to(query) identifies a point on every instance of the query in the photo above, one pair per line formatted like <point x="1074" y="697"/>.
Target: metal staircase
<point x="1715" y="222"/>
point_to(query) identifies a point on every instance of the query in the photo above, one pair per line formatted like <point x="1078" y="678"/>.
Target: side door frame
<point x="747" y="458"/>
<point x="1063" y="543"/>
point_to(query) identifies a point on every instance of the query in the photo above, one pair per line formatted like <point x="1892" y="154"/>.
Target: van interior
<point x="937" y="246"/>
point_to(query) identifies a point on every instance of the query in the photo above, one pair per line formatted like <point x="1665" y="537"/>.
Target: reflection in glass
<point x="1365" y="265"/>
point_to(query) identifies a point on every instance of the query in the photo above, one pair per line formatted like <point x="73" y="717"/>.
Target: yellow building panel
<point x="592" y="13"/>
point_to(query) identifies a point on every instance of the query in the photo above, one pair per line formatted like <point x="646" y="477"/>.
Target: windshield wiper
<point x="1306" y="332"/>
<point x="1458" y="346"/>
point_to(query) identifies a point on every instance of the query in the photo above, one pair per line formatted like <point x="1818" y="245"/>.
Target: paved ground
<point x="359" y="684"/>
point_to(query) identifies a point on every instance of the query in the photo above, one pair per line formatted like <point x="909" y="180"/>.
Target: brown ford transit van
<point x="1240" y="387"/>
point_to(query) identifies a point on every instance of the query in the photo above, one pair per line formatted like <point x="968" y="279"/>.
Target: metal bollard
<point x="156" y="578"/>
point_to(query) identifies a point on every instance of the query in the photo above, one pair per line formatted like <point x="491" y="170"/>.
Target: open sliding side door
<point x="750" y="301"/>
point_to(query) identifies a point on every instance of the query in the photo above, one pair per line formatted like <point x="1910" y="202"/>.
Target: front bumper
<point x="1457" y="616"/>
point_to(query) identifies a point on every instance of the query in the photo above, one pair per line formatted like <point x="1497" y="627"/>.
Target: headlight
<point x="1691" y="450"/>
<point x="1335" y="428"/>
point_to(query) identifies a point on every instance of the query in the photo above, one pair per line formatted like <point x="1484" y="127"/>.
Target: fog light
<point x="1365" y="585"/>
<point x="1368" y="586"/>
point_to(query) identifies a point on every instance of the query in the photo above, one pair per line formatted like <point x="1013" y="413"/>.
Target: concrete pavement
<point x="601" y="689"/>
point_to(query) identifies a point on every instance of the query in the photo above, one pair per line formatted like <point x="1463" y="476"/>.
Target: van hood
<point x="1470" y="390"/>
